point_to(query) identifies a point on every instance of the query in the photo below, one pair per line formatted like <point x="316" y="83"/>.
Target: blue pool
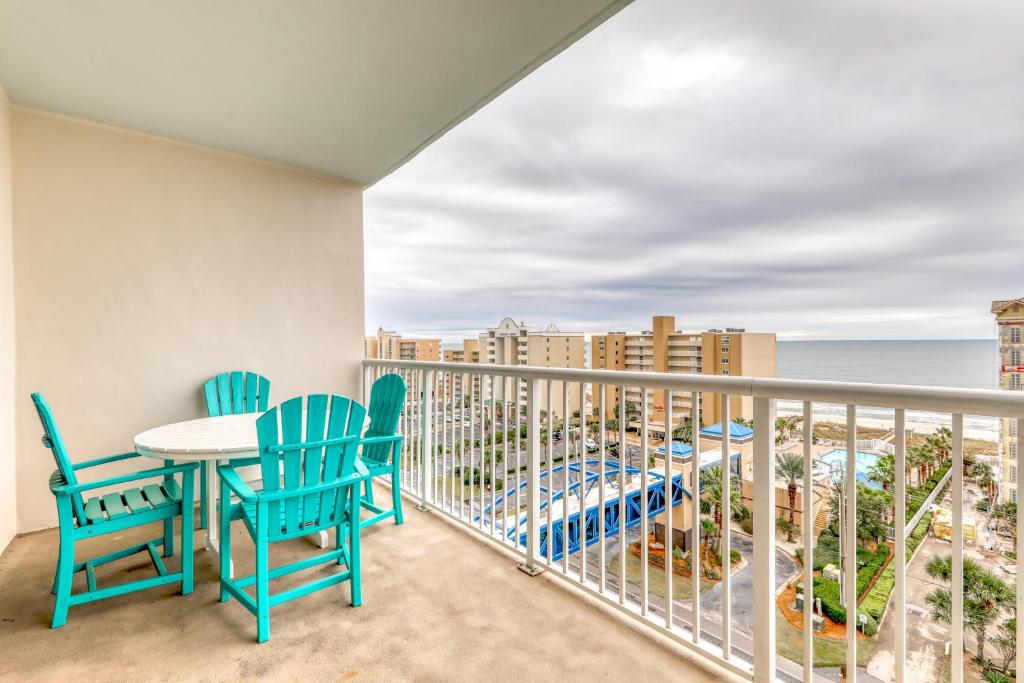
<point x="865" y="461"/>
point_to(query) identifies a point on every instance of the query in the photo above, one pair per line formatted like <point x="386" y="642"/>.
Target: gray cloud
<point x="849" y="170"/>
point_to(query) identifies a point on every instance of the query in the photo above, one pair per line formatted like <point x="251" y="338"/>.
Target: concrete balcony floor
<point x="438" y="605"/>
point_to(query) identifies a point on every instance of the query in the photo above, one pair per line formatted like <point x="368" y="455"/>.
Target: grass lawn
<point x="790" y="643"/>
<point x="681" y="585"/>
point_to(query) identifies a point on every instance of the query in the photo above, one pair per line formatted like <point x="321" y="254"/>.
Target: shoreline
<point x="918" y="426"/>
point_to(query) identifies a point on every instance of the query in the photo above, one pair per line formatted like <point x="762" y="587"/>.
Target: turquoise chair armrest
<point x="235" y="483"/>
<point x="105" y="460"/>
<point x="352" y="479"/>
<point x="395" y="440"/>
<point x="65" y="489"/>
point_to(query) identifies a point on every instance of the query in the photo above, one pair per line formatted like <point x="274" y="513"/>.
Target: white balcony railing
<point x="532" y="498"/>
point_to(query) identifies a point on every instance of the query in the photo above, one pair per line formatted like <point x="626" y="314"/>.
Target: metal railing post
<point x="764" y="539"/>
<point x="426" y="438"/>
<point x="367" y="382"/>
<point x="532" y="565"/>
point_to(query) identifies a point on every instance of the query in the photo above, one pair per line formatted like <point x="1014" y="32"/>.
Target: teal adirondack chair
<point x="382" y="446"/>
<point x="113" y="512"/>
<point x="230" y="393"/>
<point x="311" y="481"/>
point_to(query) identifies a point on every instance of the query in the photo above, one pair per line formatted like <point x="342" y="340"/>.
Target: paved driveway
<point x="925" y="638"/>
<point x="742" y="584"/>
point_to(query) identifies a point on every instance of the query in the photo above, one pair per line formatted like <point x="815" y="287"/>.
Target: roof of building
<point x="679" y="449"/>
<point x="736" y="431"/>
<point x="998" y="306"/>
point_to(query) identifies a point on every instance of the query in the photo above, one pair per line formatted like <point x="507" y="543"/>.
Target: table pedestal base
<point x="319" y="539"/>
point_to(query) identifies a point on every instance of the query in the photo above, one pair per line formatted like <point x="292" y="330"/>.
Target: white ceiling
<point x="350" y="88"/>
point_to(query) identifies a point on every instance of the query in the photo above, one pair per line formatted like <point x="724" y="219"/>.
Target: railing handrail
<point x="978" y="402"/>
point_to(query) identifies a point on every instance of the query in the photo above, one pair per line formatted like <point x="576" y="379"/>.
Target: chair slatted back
<point x="296" y="456"/>
<point x="234" y="393"/>
<point x="387" y="399"/>
<point x="53" y="441"/>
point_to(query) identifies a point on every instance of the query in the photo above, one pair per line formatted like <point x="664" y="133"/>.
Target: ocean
<point x="971" y="364"/>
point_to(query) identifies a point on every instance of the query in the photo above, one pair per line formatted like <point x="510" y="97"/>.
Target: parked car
<point x="591" y="445"/>
<point x="556" y="435"/>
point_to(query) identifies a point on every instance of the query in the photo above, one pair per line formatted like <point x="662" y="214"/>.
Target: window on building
<point x="1013" y="474"/>
<point x="1013" y="428"/>
<point x="725" y="361"/>
<point x="725" y="372"/>
<point x="1015" y="381"/>
<point x="1015" y="335"/>
<point x="1013" y="451"/>
<point x="725" y="349"/>
<point x="725" y="340"/>
<point x="1015" y="357"/>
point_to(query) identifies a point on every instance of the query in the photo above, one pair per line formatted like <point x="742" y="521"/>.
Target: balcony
<point x="158" y="238"/>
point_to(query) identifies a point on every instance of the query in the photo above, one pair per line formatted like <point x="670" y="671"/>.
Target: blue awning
<point x="736" y="431"/>
<point x="679" y="449"/>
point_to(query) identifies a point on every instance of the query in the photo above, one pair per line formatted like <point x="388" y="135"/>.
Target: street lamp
<point x="838" y="477"/>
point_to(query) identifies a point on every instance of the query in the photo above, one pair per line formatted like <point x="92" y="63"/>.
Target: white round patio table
<point x="215" y="440"/>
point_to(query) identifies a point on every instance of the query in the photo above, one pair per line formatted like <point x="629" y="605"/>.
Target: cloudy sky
<point x="823" y="170"/>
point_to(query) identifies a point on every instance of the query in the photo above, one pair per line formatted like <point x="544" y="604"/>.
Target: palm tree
<point x="709" y="535"/>
<point x="789" y="467"/>
<point x="711" y="493"/>
<point x="986" y="596"/>
<point x="984" y="476"/>
<point x="918" y="458"/>
<point x="884" y="471"/>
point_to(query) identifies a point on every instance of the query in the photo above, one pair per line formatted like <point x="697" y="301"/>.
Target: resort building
<point x="469" y="352"/>
<point x="664" y="348"/>
<point x="513" y="343"/>
<point x="1010" y="322"/>
<point x="390" y="345"/>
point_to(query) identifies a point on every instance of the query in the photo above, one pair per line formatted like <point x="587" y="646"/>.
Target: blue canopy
<point x="736" y="431"/>
<point x="679" y="449"/>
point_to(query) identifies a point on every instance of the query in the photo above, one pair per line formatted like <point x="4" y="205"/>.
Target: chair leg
<point x="354" y="564"/>
<point x="262" y="575"/>
<point x="168" y="523"/>
<point x="168" y="538"/>
<point x="204" y="492"/>
<point x="65" y="564"/>
<point x="369" y="490"/>
<point x="396" y="495"/>
<point x="224" y="519"/>
<point x="188" y="512"/>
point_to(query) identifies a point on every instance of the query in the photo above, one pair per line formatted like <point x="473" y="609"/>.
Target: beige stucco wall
<point x="144" y="266"/>
<point x="8" y="490"/>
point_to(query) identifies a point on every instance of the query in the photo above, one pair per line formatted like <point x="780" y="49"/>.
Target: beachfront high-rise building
<point x="513" y="343"/>
<point x="390" y="345"/>
<point x="1010" y="323"/>
<point x="664" y="348"/>
<point x="469" y="352"/>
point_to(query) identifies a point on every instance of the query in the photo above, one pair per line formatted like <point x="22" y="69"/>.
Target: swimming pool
<point x="865" y="461"/>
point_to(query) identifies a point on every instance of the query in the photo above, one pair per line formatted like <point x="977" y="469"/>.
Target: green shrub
<point x="734" y="555"/>
<point x="878" y="597"/>
<point x="871" y="567"/>
<point x="747" y="525"/>
<point x="827" y="591"/>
